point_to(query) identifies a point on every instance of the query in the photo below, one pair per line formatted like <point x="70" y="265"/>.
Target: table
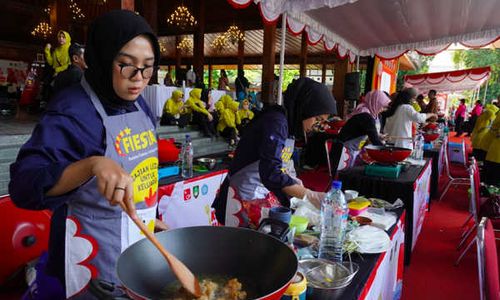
<point x="412" y="187"/>
<point x="437" y="156"/>
<point x="380" y="276"/>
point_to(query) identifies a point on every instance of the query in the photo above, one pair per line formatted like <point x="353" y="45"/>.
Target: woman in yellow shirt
<point x="228" y="122"/>
<point x="481" y="128"/>
<point x="200" y="115"/>
<point x="245" y="114"/>
<point x="174" y="111"/>
<point x="492" y="160"/>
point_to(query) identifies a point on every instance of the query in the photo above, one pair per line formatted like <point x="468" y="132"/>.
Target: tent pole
<point x="282" y="58"/>
<point x="357" y="63"/>
<point x="485" y="91"/>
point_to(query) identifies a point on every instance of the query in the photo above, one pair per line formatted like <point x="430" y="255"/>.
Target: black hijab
<point x="107" y="35"/>
<point x="306" y="98"/>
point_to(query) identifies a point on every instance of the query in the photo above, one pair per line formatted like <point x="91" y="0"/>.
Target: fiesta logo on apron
<point x="126" y="142"/>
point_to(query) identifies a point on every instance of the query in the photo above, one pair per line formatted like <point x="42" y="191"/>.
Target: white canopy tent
<point x="452" y="81"/>
<point x="386" y="28"/>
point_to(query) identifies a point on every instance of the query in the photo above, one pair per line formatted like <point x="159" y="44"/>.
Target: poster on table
<point x="188" y="203"/>
<point x="421" y="196"/>
<point x="387" y="280"/>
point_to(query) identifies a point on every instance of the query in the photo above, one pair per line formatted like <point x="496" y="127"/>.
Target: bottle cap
<point x="337" y="184"/>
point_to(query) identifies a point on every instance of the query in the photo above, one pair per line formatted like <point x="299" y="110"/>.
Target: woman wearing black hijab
<point x="260" y="175"/>
<point x="95" y="148"/>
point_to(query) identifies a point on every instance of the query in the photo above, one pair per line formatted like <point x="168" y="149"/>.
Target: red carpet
<point x="432" y="274"/>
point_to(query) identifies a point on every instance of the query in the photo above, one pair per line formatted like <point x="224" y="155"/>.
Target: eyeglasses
<point x="129" y="71"/>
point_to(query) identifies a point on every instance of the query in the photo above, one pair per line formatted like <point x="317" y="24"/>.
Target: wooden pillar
<point x="209" y="76"/>
<point x="303" y="55"/>
<point x="128" y="4"/>
<point x="199" y="39"/>
<point x="241" y="54"/>
<point x="342" y="67"/>
<point x="60" y="16"/>
<point x="268" y="57"/>
<point x="323" y="74"/>
<point x="178" y="58"/>
<point x="150" y="13"/>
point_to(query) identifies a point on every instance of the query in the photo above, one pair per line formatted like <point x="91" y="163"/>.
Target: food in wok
<point x="215" y="289"/>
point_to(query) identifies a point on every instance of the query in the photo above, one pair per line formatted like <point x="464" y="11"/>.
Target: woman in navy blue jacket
<point x="262" y="175"/>
<point x="95" y="148"/>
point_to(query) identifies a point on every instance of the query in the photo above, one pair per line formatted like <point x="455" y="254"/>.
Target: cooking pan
<point x="387" y="154"/>
<point x="263" y="264"/>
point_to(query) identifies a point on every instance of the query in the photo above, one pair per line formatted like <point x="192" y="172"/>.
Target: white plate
<point x="370" y="239"/>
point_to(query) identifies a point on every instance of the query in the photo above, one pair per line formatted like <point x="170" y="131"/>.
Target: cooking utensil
<point x="387" y="154"/>
<point x="327" y="275"/>
<point x="209" y="163"/>
<point x="263" y="264"/>
<point x="429" y="137"/>
<point x="188" y="281"/>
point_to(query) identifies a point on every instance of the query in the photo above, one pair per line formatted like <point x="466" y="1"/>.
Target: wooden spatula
<point x="187" y="279"/>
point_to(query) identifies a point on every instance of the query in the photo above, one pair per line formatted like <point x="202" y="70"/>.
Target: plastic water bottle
<point x="187" y="158"/>
<point x="333" y="223"/>
<point x="420" y="143"/>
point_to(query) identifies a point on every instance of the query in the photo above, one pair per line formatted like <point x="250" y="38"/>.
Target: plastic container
<point x="297" y="289"/>
<point x="334" y="215"/>
<point x="299" y="223"/>
<point x="357" y="207"/>
<point x="187" y="158"/>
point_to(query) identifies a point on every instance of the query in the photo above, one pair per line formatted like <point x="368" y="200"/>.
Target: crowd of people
<point x="226" y="117"/>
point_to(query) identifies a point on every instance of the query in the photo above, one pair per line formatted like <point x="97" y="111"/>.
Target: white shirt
<point x="190" y="77"/>
<point x="399" y="124"/>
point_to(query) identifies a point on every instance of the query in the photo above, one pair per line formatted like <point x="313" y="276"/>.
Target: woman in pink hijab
<point x="362" y="123"/>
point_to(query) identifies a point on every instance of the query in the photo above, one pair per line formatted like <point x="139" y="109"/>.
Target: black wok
<point x="263" y="264"/>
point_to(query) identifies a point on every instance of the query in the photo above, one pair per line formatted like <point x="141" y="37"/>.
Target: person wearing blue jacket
<point x="261" y="175"/>
<point x="94" y="151"/>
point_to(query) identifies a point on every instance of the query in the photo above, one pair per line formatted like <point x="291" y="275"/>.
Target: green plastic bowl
<point x="299" y="223"/>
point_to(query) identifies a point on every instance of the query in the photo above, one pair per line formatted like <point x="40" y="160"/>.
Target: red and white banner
<point x="188" y="203"/>
<point x="421" y="197"/>
<point x="386" y="279"/>
<point x="460" y="80"/>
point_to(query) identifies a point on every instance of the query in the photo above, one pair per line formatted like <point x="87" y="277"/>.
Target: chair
<point x="452" y="180"/>
<point x="487" y="261"/>
<point x="336" y="163"/>
<point x="474" y="213"/>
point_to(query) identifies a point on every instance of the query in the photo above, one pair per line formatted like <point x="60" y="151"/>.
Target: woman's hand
<point x="114" y="183"/>
<point x="48" y="46"/>
<point x="315" y="197"/>
<point x="160" y="226"/>
<point x="432" y="117"/>
<point x="210" y="118"/>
